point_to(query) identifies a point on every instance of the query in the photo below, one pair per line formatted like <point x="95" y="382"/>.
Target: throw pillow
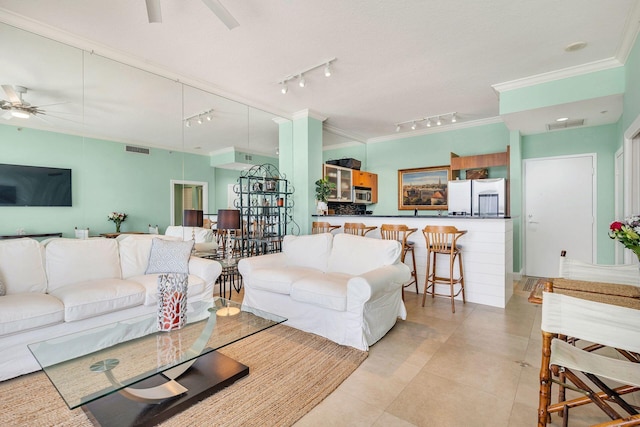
<point x="3" y="289"/>
<point x="168" y="256"/>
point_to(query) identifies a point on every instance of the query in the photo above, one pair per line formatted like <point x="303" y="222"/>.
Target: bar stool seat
<point x="357" y="228"/>
<point x="442" y="240"/>
<point x="401" y="232"/>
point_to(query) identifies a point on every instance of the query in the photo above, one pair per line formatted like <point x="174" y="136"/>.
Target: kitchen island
<point x="487" y="251"/>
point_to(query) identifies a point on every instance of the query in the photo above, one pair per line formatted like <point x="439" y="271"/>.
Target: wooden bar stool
<point x="442" y="240"/>
<point x="323" y="227"/>
<point x="357" y="228"/>
<point x="401" y="232"/>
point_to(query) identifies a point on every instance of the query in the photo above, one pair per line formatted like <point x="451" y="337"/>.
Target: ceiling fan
<point x="155" y="14"/>
<point x="16" y="106"/>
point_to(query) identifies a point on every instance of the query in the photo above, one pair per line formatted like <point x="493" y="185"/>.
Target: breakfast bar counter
<point x="487" y="251"/>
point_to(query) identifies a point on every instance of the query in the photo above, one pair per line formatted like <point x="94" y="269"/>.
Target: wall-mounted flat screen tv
<point x="34" y="186"/>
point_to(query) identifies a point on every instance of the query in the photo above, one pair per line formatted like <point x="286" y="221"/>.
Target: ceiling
<point x="396" y="60"/>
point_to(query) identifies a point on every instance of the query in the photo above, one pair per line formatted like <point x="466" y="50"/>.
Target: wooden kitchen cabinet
<point x="367" y="179"/>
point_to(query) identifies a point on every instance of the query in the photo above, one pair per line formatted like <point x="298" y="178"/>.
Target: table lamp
<point x="228" y="219"/>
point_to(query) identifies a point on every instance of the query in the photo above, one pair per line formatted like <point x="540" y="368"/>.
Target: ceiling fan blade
<point x="222" y="13"/>
<point x="153" y="11"/>
<point x="11" y="94"/>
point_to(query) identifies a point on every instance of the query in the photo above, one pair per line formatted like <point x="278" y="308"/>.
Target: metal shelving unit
<point x="265" y="203"/>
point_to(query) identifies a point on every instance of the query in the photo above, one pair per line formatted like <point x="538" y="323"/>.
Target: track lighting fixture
<point x="301" y="75"/>
<point x="327" y="70"/>
<point x="439" y="120"/>
<point x="198" y="118"/>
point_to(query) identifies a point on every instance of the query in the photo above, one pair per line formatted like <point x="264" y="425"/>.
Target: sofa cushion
<point x="29" y="310"/>
<point x="328" y="290"/>
<point x="169" y="257"/>
<point x="71" y="261"/>
<point x="134" y="252"/>
<point x="22" y="266"/>
<point x="311" y="250"/>
<point x="279" y="280"/>
<point x="150" y="283"/>
<point x="356" y="254"/>
<point x="96" y="297"/>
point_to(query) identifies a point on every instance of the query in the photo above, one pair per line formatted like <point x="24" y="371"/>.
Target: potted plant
<point x="323" y="190"/>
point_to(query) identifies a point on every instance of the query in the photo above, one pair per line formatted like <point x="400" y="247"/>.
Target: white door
<point x="559" y="212"/>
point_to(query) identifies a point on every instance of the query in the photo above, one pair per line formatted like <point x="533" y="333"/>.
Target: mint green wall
<point x="224" y="177"/>
<point x="602" y="140"/>
<point x="385" y="158"/>
<point x="632" y="90"/>
<point x="105" y="178"/>
<point x="577" y="88"/>
<point x="306" y="167"/>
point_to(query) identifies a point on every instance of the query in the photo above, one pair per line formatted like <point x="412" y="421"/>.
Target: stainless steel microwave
<point x="362" y="195"/>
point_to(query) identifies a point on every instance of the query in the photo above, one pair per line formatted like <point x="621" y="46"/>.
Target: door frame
<point x="594" y="198"/>
<point x="205" y="196"/>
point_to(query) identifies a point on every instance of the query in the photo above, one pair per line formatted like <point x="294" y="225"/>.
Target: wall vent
<point x="247" y="157"/>
<point x="139" y="150"/>
<point x="565" y="124"/>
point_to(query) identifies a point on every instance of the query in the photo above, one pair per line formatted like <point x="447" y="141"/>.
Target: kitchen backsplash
<point x="347" y="208"/>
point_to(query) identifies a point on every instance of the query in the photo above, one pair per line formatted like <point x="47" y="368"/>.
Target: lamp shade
<point x="228" y="219"/>
<point x="192" y="218"/>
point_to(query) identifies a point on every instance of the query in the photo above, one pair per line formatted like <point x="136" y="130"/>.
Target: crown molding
<point x="629" y="34"/>
<point x="605" y="64"/>
<point x="303" y="114"/>
<point x="436" y="129"/>
<point x="340" y="132"/>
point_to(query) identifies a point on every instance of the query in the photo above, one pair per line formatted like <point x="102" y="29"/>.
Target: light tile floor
<point x="477" y="367"/>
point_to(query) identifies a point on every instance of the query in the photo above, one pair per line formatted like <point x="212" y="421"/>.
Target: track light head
<point x="428" y="123"/>
<point x="413" y="126"/>
<point x="439" y="122"/>
<point x="301" y="81"/>
<point x="199" y="120"/>
<point x="397" y="128"/>
<point x="327" y="70"/>
<point x="188" y="123"/>
<point x="209" y="117"/>
<point x="454" y="118"/>
<point x="284" y="89"/>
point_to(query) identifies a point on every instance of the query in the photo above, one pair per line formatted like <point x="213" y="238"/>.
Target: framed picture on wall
<point x="423" y="188"/>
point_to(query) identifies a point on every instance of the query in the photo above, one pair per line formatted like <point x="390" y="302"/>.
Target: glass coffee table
<point x="129" y="373"/>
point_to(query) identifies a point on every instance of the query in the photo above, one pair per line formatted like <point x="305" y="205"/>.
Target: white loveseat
<point x="62" y="286"/>
<point x="346" y="288"/>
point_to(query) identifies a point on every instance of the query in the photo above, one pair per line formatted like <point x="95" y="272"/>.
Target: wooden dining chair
<point x="401" y="232"/>
<point x="357" y="228"/>
<point x="323" y="227"/>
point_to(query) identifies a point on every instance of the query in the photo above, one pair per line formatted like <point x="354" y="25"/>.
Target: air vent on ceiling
<point x="565" y="124"/>
<point x="139" y="150"/>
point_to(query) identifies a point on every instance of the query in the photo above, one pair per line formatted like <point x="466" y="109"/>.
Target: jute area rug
<point x="290" y="372"/>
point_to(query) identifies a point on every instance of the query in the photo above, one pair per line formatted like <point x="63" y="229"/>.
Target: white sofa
<point x="346" y="288"/>
<point x="204" y="239"/>
<point x="62" y="286"/>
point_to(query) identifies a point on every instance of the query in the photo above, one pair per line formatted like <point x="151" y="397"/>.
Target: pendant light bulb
<point x="327" y="70"/>
<point x="301" y="81"/>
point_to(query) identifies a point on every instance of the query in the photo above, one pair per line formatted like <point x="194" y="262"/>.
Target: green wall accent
<point x="577" y="88"/>
<point x="105" y="178"/>
<point x="602" y="140"/>
<point x="386" y="158"/>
